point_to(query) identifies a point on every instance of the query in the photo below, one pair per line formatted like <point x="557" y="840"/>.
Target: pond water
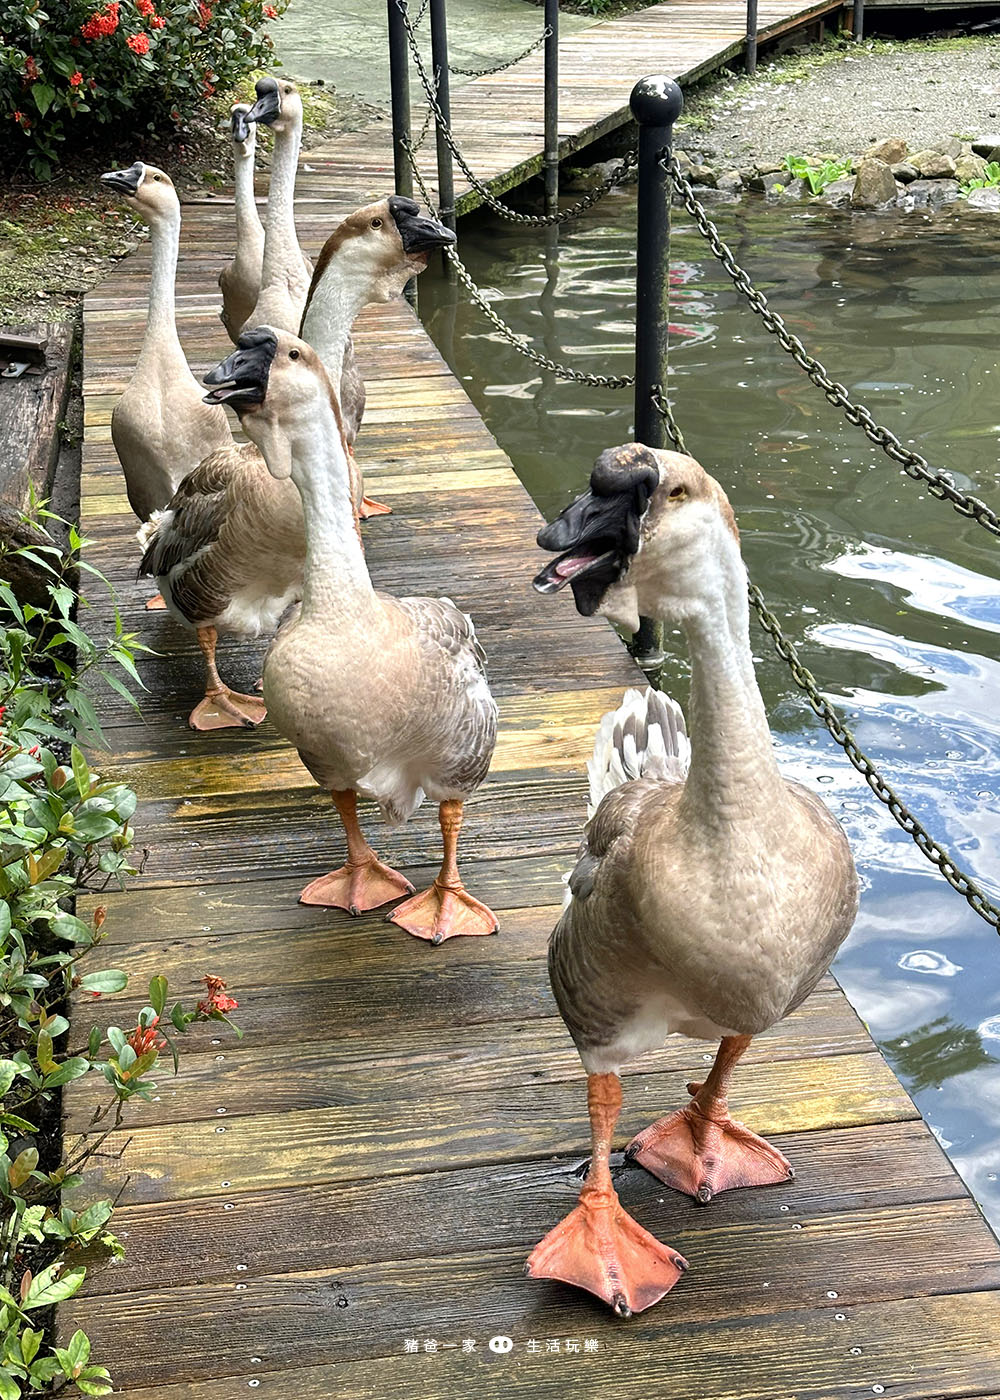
<point x="892" y="598"/>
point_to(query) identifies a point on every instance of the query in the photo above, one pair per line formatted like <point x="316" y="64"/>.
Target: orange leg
<point x="369" y="508"/>
<point x="599" y="1246"/>
<point x="446" y="909"/>
<point x="222" y="708"/>
<point x="700" y="1149"/>
<point x="364" y="882"/>
<point x="156" y="603"/>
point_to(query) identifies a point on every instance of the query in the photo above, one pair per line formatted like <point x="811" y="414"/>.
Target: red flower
<point x="138" y="43"/>
<point x="145" y="7"/>
<point x="270" y="12"/>
<point x="157" y="22"/>
<point x="33" y="751"/>
<point x="102" y="23"/>
<point x="75" y="79"/>
<point x="30" y="68"/>
<point x="216" y="999"/>
<point x="146" y="1038"/>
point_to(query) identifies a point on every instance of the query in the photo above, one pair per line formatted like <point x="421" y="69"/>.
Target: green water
<point x="892" y="597"/>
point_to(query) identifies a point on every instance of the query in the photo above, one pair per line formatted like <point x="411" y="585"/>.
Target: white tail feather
<point x="149" y="527"/>
<point x="644" y="738"/>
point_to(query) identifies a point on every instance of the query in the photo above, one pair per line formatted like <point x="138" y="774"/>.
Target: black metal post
<point x="656" y="104"/>
<point x="552" y="106"/>
<point x="751" y="55"/>
<point x="859" y="20"/>
<point x="439" y="64"/>
<point x="399" y="83"/>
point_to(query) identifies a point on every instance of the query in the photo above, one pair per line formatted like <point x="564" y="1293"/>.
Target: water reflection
<point x="892" y="598"/>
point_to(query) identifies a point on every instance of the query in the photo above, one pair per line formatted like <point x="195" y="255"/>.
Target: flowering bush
<point x="139" y="64"/>
<point x="63" y="830"/>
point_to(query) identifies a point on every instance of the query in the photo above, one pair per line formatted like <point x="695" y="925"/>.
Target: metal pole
<point x="552" y="106"/>
<point x="439" y="65"/>
<point x="399" y="82"/>
<point x="656" y="104"/>
<point x="859" y="20"/>
<point x="751" y="56"/>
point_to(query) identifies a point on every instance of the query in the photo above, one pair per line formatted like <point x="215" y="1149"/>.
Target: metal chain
<point x="501" y="67"/>
<point x="420" y="13"/>
<point x="520" y="344"/>
<point x="662" y="405"/>
<point x="617" y="176"/>
<point x="934" y="852"/>
<point x="426" y="126"/>
<point x="939" y="483"/>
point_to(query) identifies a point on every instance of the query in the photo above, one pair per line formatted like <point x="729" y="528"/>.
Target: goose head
<point x="244" y="133"/>
<point x="280" y="391"/>
<point x="649" y="538"/>
<point x="149" y="190"/>
<point x="379" y="248"/>
<point x="278" y="105"/>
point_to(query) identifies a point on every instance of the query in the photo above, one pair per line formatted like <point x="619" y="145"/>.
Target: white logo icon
<point x="501" y="1344"/>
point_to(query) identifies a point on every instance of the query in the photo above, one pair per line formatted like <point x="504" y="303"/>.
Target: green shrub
<point x="134" y="64"/>
<point x="817" y="174"/>
<point x="988" y="181"/>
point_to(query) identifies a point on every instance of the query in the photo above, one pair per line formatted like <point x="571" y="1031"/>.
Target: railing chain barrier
<point x="617" y="176"/>
<point x="662" y="405"/>
<point x="500" y="67"/>
<point x="940" y="484"/>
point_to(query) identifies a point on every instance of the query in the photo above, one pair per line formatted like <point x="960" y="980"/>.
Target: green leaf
<point x="74" y="1068"/>
<point x="22" y="1166"/>
<point x="93" y="1387"/>
<point x="30" y="1342"/>
<point x="116" y="1039"/>
<point x="48" y="1288"/>
<point x="158" y="994"/>
<point x="71" y="928"/>
<point x="81" y="771"/>
<point x="43" y="1053"/>
<point x="94" y="1042"/>
<point x="9" y="1069"/>
<point x="92" y="1218"/>
<point x="79" y="1349"/>
<point x="9" y="1388"/>
<point x="110" y="980"/>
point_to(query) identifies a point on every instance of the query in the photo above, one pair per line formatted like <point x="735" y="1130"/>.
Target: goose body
<point x="383" y="697"/>
<point x="710" y="894"/>
<point x="239" y="280"/>
<point x="160" y="426"/>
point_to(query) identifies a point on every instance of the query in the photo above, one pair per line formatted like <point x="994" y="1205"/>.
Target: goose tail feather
<point x="644" y="738"/>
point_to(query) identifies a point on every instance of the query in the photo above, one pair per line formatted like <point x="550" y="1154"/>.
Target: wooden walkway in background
<point x="372" y="1163"/>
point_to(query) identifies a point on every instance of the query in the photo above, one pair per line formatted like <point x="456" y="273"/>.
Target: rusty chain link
<point x="501" y="67"/>
<point x="617" y="176"/>
<point x="940" y="484"/>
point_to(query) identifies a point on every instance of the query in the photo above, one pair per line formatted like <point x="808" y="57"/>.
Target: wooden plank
<point x="31" y="408"/>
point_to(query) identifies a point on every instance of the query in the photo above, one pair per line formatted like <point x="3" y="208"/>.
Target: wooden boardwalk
<point x="369" y="1167"/>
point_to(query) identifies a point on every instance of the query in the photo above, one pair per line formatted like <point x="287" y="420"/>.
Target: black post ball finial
<point x="656" y="101"/>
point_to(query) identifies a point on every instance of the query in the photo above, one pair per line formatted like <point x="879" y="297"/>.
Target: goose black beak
<point x="241" y="127"/>
<point x="418" y="232"/>
<point x="241" y="378"/>
<point x="267" y="108"/>
<point x="596" y="536"/>
<point x="125" y="181"/>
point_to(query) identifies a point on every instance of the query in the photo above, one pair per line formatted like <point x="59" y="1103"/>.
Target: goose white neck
<point x="248" y="224"/>
<point x="161" y="324"/>
<point x="337" y="298"/>
<point x="280" y="239"/>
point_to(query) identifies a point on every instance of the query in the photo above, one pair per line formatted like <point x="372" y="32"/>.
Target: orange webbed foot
<point x="156" y="603"/>
<point x="601" y="1248"/>
<point x="357" y="888"/>
<point x="227" y="709"/>
<point x="443" y="912"/>
<point x="368" y="508"/>
<point x="691" y="1152"/>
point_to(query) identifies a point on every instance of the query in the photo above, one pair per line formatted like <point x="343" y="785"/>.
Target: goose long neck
<point x="337" y="583"/>
<point x="336" y="299"/>
<point x="161" y="322"/>
<point x="248" y="224"/>
<point x="280" y="238"/>
<point x="733" y="776"/>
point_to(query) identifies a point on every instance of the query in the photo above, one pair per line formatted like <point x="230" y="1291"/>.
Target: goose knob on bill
<point x="711" y="893"/>
<point x="383" y="697"/>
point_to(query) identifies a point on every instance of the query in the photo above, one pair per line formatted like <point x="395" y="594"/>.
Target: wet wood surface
<point x="367" y="1169"/>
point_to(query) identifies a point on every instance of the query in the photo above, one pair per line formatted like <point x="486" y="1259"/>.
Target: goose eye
<point x="376" y="223"/>
<point x="156" y="177"/>
<point x="678" y="493"/>
<point x="293" y="354"/>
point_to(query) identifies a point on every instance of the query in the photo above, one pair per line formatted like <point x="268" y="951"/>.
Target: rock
<point x="932" y="192"/>
<point x="703" y="175"/>
<point x="684" y="161"/>
<point x="986" y="201"/>
<point x="891" y="150"/>
<point x="947" y="146"/>
<point x="904" y="171"/>
<point x="771" y="168"/>
<point x="986" y="145"/>
<point x="838" y="192"/>
<point x="794" y="189"/>
<point x="731" y="181"/>
<point x="874" y="187"/>
<point x="933" y="165"/>
<point x="763" y="183"/>
<point x="970" y="168"/>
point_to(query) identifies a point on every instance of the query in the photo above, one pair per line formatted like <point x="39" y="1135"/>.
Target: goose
<point x="710" y="893"/>
<point x="228" y="551"/>
<point x="383" y="697"/>
<point x="285" y="271"/>
<point x="160" y="426"/>
<point x="239" y="280"/>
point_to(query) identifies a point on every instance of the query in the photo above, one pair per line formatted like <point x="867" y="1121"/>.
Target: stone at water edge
<point x="932" y="165"/>
<point x="988" y="147"/>
<point x="904" y="172"/>
<point x="703" y="175"/>
<point x="838" y="192"/>
<point x="730" y="181"/>
<point x="874" y="187"/>
<point x="891" y="150"/>
<point x="986" y="201"/>
<point x="948" y="146"/>
<point x="970" y="168"/>
<point x="932" y="192"/>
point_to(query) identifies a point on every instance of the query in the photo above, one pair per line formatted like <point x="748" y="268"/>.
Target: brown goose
<point x="239" y="280"/>
<point x="645" y="945"/>
<point x="383" y="697"/>
<point x="228" y="551"/>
